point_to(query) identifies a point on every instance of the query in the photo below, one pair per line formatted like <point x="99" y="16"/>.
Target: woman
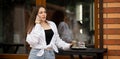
<point x="61" y="20"/>
<point x="42" y="36"/>
<point x="65" y="31"/>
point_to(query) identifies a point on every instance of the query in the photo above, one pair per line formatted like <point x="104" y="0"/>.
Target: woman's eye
<point x="42" y="12"/>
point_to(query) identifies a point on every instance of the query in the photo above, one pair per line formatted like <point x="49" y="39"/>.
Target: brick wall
<point x="111" y="15"/>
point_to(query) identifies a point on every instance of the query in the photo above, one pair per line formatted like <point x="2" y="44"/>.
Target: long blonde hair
<point x="31" y="22"/>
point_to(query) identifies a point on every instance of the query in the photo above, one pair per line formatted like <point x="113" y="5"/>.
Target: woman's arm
<point x="33" y="37"/>
<point x="59" y="42"/>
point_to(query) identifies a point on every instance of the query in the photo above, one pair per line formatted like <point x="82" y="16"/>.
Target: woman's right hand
<point x="37" y="20"/>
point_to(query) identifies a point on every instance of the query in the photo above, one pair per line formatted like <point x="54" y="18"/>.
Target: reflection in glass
<point x="14" y="15"/>
<point x="78" y="11"/>
<point x="82" y="21"/>
<point x="81" y="16"/>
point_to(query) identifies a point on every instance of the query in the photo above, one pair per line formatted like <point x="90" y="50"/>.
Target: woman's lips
<point x="43" y="17"/>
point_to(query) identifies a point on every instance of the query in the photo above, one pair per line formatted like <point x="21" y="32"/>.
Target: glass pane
<point x="13" y="15"/>
<point x="81" y="18"/>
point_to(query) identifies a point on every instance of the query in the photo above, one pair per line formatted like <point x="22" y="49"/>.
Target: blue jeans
<point x="48" y="54"/>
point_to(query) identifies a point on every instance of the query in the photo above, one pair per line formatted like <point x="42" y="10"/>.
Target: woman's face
<point x="42" y="14"/>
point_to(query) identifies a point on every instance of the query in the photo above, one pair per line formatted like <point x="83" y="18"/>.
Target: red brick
<point x="111" y="1"/>
<point x="113" y="53"/>
<point x="113" y="15"/>
<point x="111" y="20"/>
<point x="111" y="42"/>
<point x="112" y="31"/>
<point x="112" y="5"/>
<point x="111" y="10"/>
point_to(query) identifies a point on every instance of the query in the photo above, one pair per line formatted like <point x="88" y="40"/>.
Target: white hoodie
<point x="37" y="39"/>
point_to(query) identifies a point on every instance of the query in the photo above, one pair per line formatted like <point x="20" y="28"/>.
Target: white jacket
<point x="37" y="39"/>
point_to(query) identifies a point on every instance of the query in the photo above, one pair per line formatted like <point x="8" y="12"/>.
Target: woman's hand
<point x="37" y="20"/>
<point x="72" y="43"/>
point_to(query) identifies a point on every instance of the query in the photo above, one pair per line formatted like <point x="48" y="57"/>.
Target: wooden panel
<point x="112" y="31"/>
<point x="112" y="42"/>
<point x="111" y="20"/>
<point x="96" y="22"/>
<point x="62" y="57"/>
<point x="41" y="2"/>
<point x="13" y="56"/>
<point x="75" y="56"/>
<point x="111" y="10"/>
<point x="25" y="56"/>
